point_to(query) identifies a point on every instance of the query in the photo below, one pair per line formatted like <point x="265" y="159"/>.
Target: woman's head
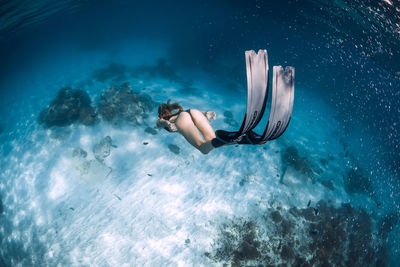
<point x="165" y="110"/>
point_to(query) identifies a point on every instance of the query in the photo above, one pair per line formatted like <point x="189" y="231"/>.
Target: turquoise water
<point x="326" y="192"/>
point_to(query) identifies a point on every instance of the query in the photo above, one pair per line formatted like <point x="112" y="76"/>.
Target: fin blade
<point x="282" y="102"/>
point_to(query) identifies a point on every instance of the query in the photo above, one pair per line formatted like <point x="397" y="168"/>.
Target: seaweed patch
<point x="333" y="236"/>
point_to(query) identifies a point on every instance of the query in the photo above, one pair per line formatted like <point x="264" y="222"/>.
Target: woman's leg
<point x="189" y="130"/>
<point x="202" y="124"/>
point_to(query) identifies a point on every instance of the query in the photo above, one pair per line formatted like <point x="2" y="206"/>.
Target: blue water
<point x="326" y="192"/>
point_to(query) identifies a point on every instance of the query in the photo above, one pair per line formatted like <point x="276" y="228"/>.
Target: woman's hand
<point x="161" y="123"/>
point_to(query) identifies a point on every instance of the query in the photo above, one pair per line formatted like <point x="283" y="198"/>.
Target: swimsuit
<point x="170" y="126"/>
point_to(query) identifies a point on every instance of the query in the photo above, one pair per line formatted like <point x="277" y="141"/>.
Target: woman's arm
<point x="161" y="123"/>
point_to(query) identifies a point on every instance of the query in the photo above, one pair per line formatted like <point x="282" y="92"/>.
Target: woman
<point x="189" y="122"/>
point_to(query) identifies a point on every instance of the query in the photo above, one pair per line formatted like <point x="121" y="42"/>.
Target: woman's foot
<point x="210" y="115"/>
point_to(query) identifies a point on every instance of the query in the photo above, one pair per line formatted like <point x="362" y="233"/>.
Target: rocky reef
<point x="322" y="235"/>
<point x="120" y="105"/>
<point x="70" y="106"/>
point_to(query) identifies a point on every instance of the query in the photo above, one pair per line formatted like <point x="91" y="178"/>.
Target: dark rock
<point x="187" y="241"/>
<point x="150" y="130"/>
<point x="346" y="210"/>
<point x="70" y="106"/>
<point x="119" y="105"/>
<point x="295" y="211"/>
<point x="323" y="161"/>
<point x="355" y="181"/>
<point x="287" y="253"/>
<point x="300" y="262"/>
<point x="174" y="148"/>
<point x="313" y="232"/>
<point x="102" y="149"/>
<point x="1" y="206"/>
<point x="328" y="184"/>
<point x="276" y="216"/>
<point x="387" y="223"/>
<point x="145" y="143"/>
<point x="286" y="227"/>
<point x="87" y="116"/>
<point x="291" y="157"/>
<point x="309" y="214"/>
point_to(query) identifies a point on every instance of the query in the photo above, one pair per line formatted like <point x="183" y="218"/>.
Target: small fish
<point x="117" y="197"/>
<point x="316" y="211"/>
<point x="313" y="232"/>
<point x="114" y="146"/>
<point x="72" y="209"/>
<point x="309" y="203"/>
<point x="145" y="143"/>
<point x="149" y="174"/>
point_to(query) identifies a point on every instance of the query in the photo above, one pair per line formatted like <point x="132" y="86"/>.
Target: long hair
<point x="165" y="110"/>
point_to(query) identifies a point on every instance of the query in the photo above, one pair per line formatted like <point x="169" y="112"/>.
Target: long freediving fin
<point x="257" y="93"/>
<point x="281" y="107"/>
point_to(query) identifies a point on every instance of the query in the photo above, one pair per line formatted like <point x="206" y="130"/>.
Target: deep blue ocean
<point x="100" y="185"/>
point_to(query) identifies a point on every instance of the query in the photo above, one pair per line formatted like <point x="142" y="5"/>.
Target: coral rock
<point x="70" y="106"/>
